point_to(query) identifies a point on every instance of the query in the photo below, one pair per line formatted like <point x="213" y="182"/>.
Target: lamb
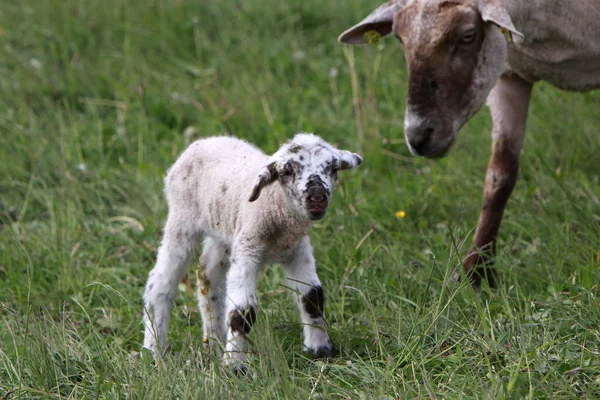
<point x="460" y="53"/>
<point x="251" y="209"/>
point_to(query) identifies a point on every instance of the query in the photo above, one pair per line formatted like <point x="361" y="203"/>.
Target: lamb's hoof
<point x="152" y="354"/>
<point x="147" y="356"/>
<point x="240" y="370"/>
<point x="236" y="364"/>
<point x="322" y="352"/>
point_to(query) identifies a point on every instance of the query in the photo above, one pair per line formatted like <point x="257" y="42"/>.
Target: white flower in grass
<point x="35" y="63"/>
<point x="299" y="55"/>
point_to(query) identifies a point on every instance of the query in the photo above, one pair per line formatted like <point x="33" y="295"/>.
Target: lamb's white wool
<point x="251" y="210"/>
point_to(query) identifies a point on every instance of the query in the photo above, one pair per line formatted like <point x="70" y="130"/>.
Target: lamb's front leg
<point x="241" y="305"/>
<point x="302" y="277"/>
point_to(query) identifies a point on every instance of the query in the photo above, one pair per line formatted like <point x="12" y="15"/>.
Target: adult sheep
<point x="251" y="209"/>
<point x="458" y="57"/>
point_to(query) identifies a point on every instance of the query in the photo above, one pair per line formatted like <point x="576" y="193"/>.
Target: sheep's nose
<point x="316" y="193"/>
<point x="418" y="134"/>
<point x="317" y="198"/>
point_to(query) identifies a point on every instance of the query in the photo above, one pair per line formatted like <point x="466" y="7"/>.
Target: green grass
<point x="96" y="99"/>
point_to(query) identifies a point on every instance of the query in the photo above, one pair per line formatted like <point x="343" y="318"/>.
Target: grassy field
<point x="99" y="97"/>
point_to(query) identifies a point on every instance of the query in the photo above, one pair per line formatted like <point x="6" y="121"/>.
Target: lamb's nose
<point x="316" y="197"/>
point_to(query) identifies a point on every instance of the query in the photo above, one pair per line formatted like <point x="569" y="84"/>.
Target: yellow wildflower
<point x="400" y="214"/>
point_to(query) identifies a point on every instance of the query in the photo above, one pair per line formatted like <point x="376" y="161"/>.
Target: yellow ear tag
<point x="372" y="37"/>
<point x="506" y="33"/>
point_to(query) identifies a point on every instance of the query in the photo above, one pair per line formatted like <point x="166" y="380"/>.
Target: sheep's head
<point x="306" y="167"/>
<point x="455" y="52"/>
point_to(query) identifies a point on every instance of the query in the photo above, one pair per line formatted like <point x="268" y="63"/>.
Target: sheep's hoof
<point x="479" y="267"/>
<point x="322" y="352"/>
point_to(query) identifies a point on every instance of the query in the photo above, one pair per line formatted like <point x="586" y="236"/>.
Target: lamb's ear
<point x="493" y="11"/>
<point x="380" y="22"/>
<point x="348" y="160"/>
<point x="265" y="177"/>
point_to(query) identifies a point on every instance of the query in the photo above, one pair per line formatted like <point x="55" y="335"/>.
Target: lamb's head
<point x="306" y="167"/>
<point x="455" y="52"/>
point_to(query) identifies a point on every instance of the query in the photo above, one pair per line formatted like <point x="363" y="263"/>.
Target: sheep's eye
<point x="468" y="36"/>
<point x="286" y="173"/>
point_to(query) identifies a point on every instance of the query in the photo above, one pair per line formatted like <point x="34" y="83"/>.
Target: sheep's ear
<point x="348" y="160"/>
<point x="493" y="11"/>
<point x="265" y="177"/>
<point x="376" y="25"/>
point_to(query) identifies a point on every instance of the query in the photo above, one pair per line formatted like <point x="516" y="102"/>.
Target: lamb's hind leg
<point x="508" y="102"/>
<point x="211" y="291"/>
<point x="173" y="259"/>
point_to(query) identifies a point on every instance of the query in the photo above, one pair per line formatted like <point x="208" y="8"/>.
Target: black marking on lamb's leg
<point x="314" y="302"/>
<point x="241" y="321"/>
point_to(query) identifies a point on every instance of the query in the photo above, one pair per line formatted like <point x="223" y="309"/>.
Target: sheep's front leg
<point x="302" y="278"/>
<point x="508" y="102"/>
<point x="241" y="304"/>
<point x="211" y="291"/>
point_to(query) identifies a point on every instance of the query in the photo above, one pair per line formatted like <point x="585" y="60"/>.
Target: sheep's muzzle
<point x="317" y="200"/>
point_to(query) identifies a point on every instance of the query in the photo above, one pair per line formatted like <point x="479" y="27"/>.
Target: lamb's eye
<point x="468" y="36"/>
<point x="286" y="173"/>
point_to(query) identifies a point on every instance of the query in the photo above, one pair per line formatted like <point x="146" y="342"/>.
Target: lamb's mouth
<point x="316" y="212"/>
